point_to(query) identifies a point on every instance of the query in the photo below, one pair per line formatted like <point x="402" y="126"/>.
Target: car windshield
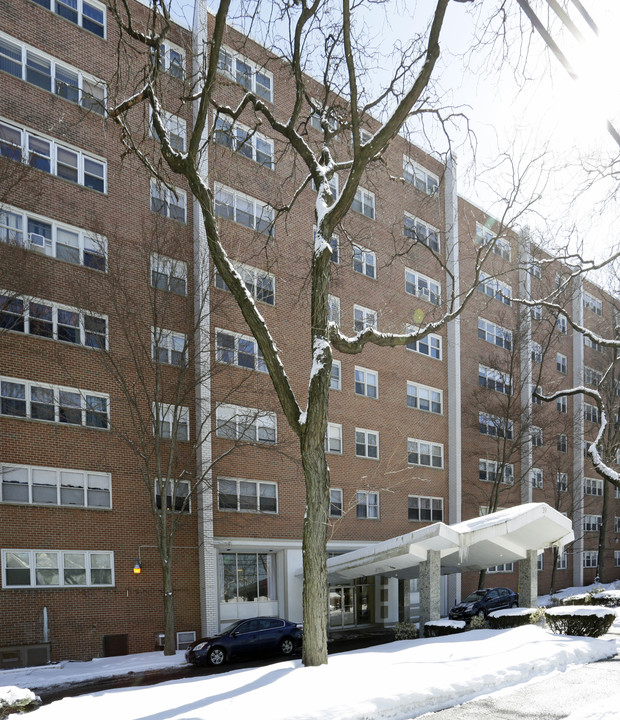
<point x="227" y="630"/>
<point x="476" y="595"/>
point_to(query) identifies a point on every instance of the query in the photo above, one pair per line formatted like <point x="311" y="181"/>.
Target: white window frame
<point x="333" y="439"/>
<point x="561" y="363"/>
<point x="589" y="343"/>
<point x="172" y="59"/>
<point x="590" y="376"/>
<point x="592" y="522"/>
<point x="495" y="288"/>
<point x="424" y="398"/>
<point x="55" y="147"/>
<point x="495" y="426"/>
<point x="175" y="128"/>
<point x="562" y="404"/>
<point x="333" y="309"/>
<point x="590" y="559"/>
<point x="423" y="449"/>
<point x="534" y="269"/>
<point x="335" y="382"/>
<point x="56" y="67"/>
<point x="592" y="303"/>
<point x="593" y="486"/>
<point x="495" y="380"/>
<point x="421" y="232"/>
<point x="591" y="413"/>
<point x="65" y="478"/>
<point x="364" y="203"/>
<point x="430" y="345"/>
<point x="487" y="471"/>
<point x="244" y="140"/>
<point x="243" y="346"/>
<point x="432" y="505"/>
<point x="172" y="271"/>
<point x="169" y="416"/>
<point x="562" y="324"/>
<point x="562" y="563"/>
<point x="367" y="505"/>
<point x="54" y="6"/>
<point x="259" y="485"/>
<point x="168" y="203"/>
<point x="536" y="312"/>
<point x="164" y="343"/>
<point x="364" y="262"/>
<point x="55" y="322"/>
<point x="364" y="318"/>
<point x="421" y="178"/>
<point x="263" y="215"/>
<point x="362" y="437"/>
<point x="334" y="243"/>
<point x="364" y="380"/>
<point x="503" y="568"/>
<point x="536" y="435"/>
<point x="537" y="478"/>
<point x="225" y="62"/>
<point x="336" y="503"/>
<point x="241" y="420"/>
<point x="84" y="397"/>
<point x="92" y="248"/>
<point x="488" y="329"/>
<point x="422" y="286"/>
<point x="562" y="481"/>
<point x="259" y="283"/>
<point x="562" y="443"/>
<point x="536" y="352"/>
<point x="61" y="560"/>
<point x="174" y="497"/>
<point x="485" y="237"/>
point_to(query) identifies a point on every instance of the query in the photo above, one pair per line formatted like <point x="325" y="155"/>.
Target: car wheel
<point x="216" y="656"/>
<point x="287" y="646"/>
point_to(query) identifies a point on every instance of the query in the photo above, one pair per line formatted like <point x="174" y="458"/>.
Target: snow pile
<point x="580" y="610"/>
<point x="512" y="612"/>
<point x="396" y="681"/>
<point x="14" y="697"/>
<point x="446" y="622"/>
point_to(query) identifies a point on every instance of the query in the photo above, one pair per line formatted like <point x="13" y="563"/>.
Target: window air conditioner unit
<point x="160" y="639"/>
<point x="36" y="241"/>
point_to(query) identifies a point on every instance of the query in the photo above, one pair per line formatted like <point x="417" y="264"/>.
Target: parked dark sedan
<point x="482" y="602"/>
<point x="254" y="636"/>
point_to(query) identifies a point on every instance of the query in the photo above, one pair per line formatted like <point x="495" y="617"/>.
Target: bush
<point x="478" y="623"/>
<point x="606" y="598"/>
<point x="504" y="619"/>
<point x="406" y="631"/>
<point x="583" y="620"/>
<point x="439" y="628"/>
<point x="581" y="599"/>
<point x="17" y="700"/>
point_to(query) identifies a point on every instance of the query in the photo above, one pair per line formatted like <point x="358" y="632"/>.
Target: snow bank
<point x="512" y="611"/>
<point x="580" y="610"/>
<point x="446" y="622"/>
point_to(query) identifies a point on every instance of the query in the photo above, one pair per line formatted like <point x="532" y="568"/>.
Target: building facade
<point x="125" y="361"/>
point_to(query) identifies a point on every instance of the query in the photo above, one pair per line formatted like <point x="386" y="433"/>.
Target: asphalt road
<point x="552" y="698"/>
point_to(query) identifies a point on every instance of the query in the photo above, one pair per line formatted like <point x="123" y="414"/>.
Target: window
<point x="562" y="443"/>
<point x="27" y="399"/>
<point x="172" y="421"/>
<point x="243" y="209"/>
<point x="419" y="176"/>
<point x="57" y="322"/>
<point x="504" y="568"/>
<point x="494" y="334"/>
<point x="562" y="324"/>
<point x="501" y="246"/>
<point x="494" y="380"/>
<point x="364" y="318"/>
<point x="247" y="495"/>
<point x="168" y="274"/>
<point x="429" y="345"/>
<point x="364" y="262"/>
<point x="536" y="312"/>
<point x="333" y="439"/>
<point x="424" y="398"/>
<point x="562" y="563"/>
<point x="424" y="509"/>
<point x="168" y="203"/>
<point x="536" y="399"/>
<point x="537" y="436"/>
<point x="247" y="424"/>
<point x="43" y="153"/>
<point x="175" y="128"/>
<point x="169" y="348"/>
<point x="367" y="504"/>
<point x="495" y="426"/>
<point x="333" y="309"/>
<point x="561" y="363"/>
<point x="592" y="377"/>
<point x="247" y="73"/>
<point x="421" y="232"/>
<point x="335" y="382"/>
<point x="57" y="568"/>
<point x="592" y="303"/>
<point x="366" y="443"/>
<point x="495" y="288"/>
<point x="539" y="563"/>
<point x="177" y="495"/>
<point x="336" y="503"/>
<point x="534" y="269"/>
<point x="247" y="577"/>
<point x="489" y="471"/>
<point x="259" y="283"/>
<point x="536" y="352"/>
<point x="536" y="475"/>
<point x="334" y="243"/>
<point x="592" y="523"/>
<point x="562" y="404"/>
<point x="44" y="71"/>
<point x="616" y="524"/>
<point x="366" y="382"/>
<point x="53" y="239"/>
<point x="590" y="559"/>
<point x="241" y="350"/>
<point x="33" y="485"/>
<point x="245" y="141"/>
<point x="562" y="480"/>
<point x="425" y="454"/>
<point x="172" y="59"/>
<point x="592" y="486"/>
<point x="364" y="202"/>
<point x="591" y="413"/>
<point x="587" y="341"/>
<point x="422" y="286"/>
<point x="88" y="14"/>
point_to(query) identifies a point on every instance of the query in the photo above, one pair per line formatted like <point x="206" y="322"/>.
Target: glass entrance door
<point x="350" y="605"/>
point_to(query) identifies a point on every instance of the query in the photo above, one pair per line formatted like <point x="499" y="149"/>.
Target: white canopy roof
<point x="475" y="544"/>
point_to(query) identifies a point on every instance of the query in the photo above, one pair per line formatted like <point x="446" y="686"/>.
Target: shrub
<point x="581" y="599"/>
<point x="438" y="628"/>
<point x="606" y="598"/>
<point x="478" y="623"/>
<point x="17" y="700"/>
<point x="582" y="620"/>
<point x="503" y="619"/>
<point x="406" y="631"/>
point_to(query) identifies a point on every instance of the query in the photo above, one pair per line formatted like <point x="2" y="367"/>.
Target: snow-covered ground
<point x="400" y="680"/>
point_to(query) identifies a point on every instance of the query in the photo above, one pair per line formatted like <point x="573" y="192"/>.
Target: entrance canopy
<point x="501" y="537"/>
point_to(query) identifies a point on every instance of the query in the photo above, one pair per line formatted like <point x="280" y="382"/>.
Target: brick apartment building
<point x="105" y="299"/>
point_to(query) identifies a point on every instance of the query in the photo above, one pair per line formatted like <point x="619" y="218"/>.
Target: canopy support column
<point x="430" y="588"/>
<point x="528" y="580"/>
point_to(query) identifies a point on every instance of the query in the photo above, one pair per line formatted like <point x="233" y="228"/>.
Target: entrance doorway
<point x="351" y="605"/>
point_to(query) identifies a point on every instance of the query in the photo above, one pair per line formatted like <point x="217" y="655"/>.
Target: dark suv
<point x="483" y="602"/>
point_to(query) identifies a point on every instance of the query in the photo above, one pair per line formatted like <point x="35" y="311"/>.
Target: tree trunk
<point x="315" y="597"/>
<point x="169" y="642"/>
<point x="603" y="558"/>
<point x="482" y="579"/>
<point x="556" y="556"/>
